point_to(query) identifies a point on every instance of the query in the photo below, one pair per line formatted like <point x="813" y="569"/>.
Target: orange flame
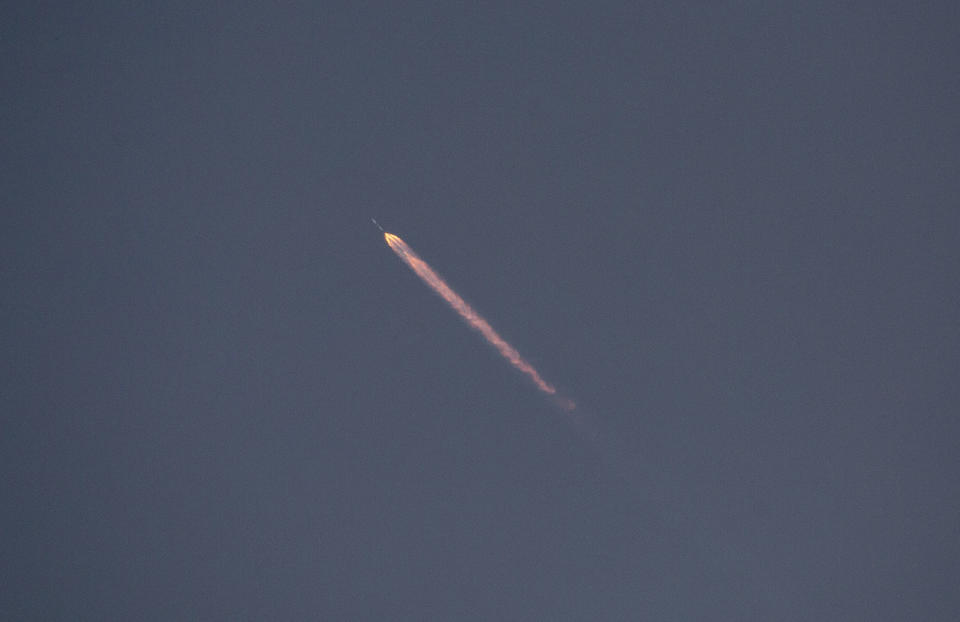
<point x="472" y="318"/>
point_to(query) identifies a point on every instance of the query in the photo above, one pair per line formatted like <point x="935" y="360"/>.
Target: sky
<point x="728" y="231"/>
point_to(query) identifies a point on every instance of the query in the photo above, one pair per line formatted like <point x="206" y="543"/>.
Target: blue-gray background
<point x="729" y="230"/>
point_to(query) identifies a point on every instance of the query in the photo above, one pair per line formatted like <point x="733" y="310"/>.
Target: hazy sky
<point x="729" y="231"/>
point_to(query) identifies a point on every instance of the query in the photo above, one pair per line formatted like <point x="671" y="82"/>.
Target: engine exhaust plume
<point x="471" y="317"/>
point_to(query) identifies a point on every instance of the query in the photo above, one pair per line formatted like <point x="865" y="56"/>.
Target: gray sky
<point x="729" y="231"/>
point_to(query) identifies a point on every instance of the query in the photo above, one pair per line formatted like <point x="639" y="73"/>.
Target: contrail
<point x="471" y="317"/>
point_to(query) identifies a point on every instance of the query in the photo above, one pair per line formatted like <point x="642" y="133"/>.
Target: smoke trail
<point x="472" y="318"/>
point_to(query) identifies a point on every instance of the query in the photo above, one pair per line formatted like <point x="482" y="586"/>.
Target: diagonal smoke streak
<point x="472" y="318"/>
